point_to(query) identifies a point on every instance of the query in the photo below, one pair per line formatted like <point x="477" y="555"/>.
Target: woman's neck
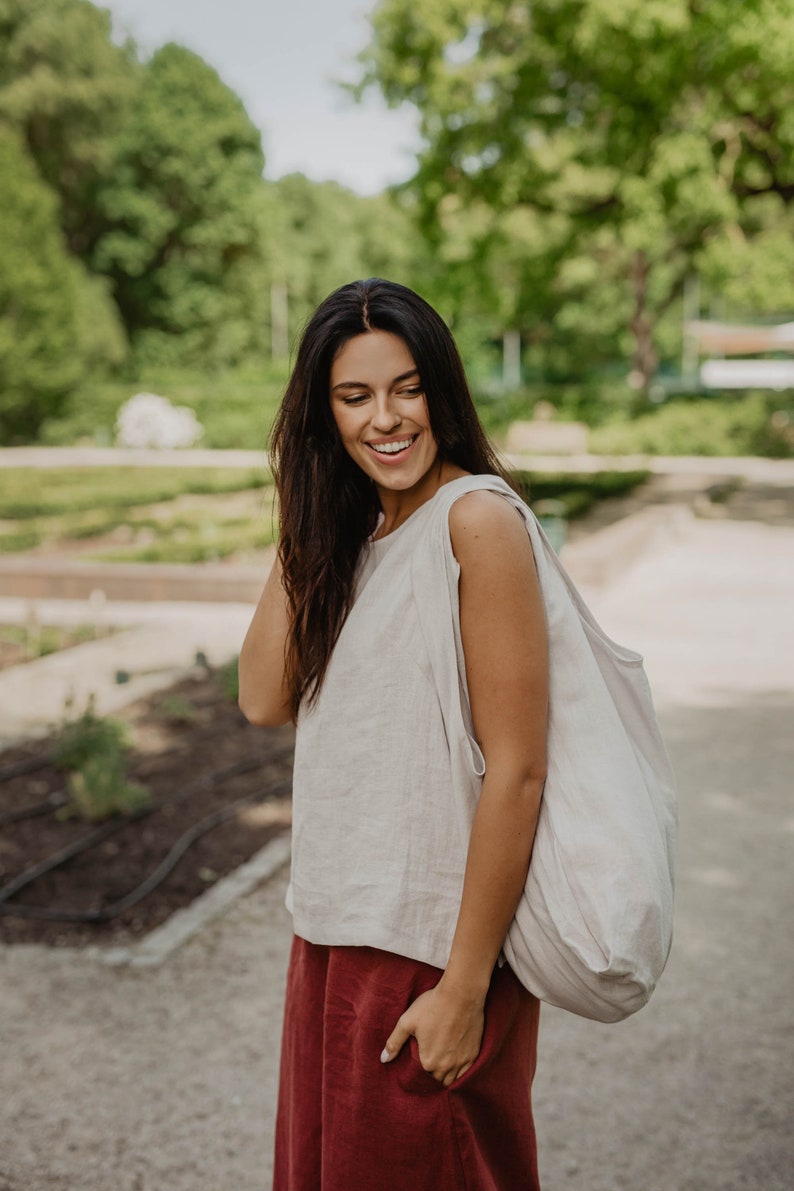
<point x="398" y="505"/>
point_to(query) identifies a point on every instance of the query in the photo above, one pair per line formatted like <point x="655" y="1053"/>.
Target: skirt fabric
<point x="347" y="1122"/>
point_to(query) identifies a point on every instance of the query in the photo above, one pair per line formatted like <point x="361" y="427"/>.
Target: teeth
<point x="391" y="448"/>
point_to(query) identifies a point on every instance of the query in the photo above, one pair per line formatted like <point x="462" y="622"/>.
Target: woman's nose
<point x="386" y="416"/>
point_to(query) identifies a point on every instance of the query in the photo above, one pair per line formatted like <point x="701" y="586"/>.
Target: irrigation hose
<point x="52" y="802"/>
<point x="155" y="878"/>
<point x="166" y="866"/>
<point x="24" y="766"/>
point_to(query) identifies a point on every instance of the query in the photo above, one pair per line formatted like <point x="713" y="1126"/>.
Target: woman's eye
<point x="410" y="392"/>
<point x="356" y="399"/>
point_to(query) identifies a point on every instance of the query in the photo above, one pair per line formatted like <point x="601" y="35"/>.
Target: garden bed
<point x="218" y="790"/>
<point x="27" y="643"/>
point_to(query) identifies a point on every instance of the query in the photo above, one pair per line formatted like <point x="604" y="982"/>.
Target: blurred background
<point x="597" y="194"/>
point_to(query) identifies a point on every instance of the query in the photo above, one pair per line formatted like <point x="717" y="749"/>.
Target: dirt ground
<point x="205" y="770"/>
<point x="164" y="1079"/>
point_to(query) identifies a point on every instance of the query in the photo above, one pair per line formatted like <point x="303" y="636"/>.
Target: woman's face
<point x="380" y="410"/>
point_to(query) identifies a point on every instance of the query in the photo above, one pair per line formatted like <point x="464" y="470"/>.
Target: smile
<point x="393" y="448"/>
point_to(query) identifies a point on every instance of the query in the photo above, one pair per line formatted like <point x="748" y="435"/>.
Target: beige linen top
<point x="385" y="761"/>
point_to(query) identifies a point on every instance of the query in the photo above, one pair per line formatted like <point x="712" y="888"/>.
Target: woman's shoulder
<point x="483" y="523"/>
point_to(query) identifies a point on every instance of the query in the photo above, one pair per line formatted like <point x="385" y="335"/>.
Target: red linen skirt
<point x="347" y="1122"/>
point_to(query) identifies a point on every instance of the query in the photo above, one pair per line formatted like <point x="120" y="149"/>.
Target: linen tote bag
<point x="593" y="929"/>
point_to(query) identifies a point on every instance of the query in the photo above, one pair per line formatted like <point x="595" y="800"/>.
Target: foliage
<point x="40" y="640"/>
<point x="91" y="749"/>
<point x="235" y="407"/>
<point x="583" y="158"/>
<point x="328" y="236"/>
<point x="208" y="542"/>
<point x="151" y="515"/>
<point x="576" y="493"/>
<point x="100" y="788"/>
<point x="65" y="87"/>
<point x="183" y="210"/>
<point x="56" y="322"/>
<point x="229" y="678"/>
<point x="582" y="161"/>
<point x="99" y="489"/>
<point x="90" y="735"/>
<point x="177" y="710"/>
<point x="593" y="402"/>
<point x="705" y="426"/>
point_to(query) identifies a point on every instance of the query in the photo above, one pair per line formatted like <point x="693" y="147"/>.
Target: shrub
<point x="703" y="426"/>
<point x="576" y="492"/>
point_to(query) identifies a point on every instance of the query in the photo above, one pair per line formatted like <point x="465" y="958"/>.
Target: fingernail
<point x="384" y="1056"/>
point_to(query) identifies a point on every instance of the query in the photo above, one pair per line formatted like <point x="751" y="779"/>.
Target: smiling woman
<point x="399" y="546"/>
<point x="383" y="421"/>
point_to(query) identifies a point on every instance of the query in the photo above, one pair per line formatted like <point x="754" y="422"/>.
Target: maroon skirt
<point x="347" y="1122"/>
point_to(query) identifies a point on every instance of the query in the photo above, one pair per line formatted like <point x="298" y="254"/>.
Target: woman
<point x="402" y="627"/>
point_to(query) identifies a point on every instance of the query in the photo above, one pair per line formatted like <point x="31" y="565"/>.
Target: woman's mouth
<point x="393" y="451"/>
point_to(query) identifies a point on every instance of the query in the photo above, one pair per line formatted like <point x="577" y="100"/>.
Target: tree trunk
<point x="645" y="360"/>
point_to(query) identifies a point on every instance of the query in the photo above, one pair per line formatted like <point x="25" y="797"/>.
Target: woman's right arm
<point x="265" y="697"/>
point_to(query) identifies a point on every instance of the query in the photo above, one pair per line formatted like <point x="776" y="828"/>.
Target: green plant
<point x="92" y="749"/>
<point x="79" y="741"/>
<point x="576" y="492"/>
<point x="100" y="789"/>
<point x="229" y="679"/>
<point x="17" y="540"/>
<point x="754" y="424"/>
<point x="177" y="709"/>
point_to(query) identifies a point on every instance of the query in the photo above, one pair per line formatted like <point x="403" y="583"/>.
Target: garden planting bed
<point x="26" y="643"/>
<point x="218" y="791"/>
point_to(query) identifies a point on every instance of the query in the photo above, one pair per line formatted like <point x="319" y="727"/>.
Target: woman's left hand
<point x="448" y="1028"/>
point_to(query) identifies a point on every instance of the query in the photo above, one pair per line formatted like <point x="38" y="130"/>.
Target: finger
<point x="395" y="1042"/>
<point x="451" y="1076"/>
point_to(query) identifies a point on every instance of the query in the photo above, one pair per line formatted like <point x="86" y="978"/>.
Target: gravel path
<point x="164" y="1079"/>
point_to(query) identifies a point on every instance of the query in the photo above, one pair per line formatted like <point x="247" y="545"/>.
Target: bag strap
<point x="546" y="557"/>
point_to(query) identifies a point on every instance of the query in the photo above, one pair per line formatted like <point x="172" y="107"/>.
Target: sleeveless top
<point x="387" y="769"/>
<point x="388" y="775"/>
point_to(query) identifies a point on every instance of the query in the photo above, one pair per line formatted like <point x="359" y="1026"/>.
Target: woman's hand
<point x="448" y="1028"/>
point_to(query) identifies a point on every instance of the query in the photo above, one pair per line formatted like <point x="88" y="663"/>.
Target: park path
<point x="164" y="1079"/>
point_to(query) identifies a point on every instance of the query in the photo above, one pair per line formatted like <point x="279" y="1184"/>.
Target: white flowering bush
<point x="147" y="420"/>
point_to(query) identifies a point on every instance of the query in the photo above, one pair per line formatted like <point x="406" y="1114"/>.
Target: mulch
<point x="196" y="754"/>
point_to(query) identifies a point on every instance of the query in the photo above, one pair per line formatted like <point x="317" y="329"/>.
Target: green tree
<point x="185" y="217"/>
<point x="65" y="86"/>
<point x="635" y="136"/>
<point x="56" y="322"/>
<point x="327" y="236"/>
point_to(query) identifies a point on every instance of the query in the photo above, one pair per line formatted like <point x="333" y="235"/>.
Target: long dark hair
<point x="327" y="505"/>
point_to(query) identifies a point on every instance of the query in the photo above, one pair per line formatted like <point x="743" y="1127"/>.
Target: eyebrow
<point x="360" y="384"/>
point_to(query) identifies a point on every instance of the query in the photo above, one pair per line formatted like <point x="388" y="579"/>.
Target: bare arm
<point x="264" y="695"/>
<point x="504" y="641"/>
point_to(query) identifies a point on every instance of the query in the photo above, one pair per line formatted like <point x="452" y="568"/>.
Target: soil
<point x="196" y="755"/>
